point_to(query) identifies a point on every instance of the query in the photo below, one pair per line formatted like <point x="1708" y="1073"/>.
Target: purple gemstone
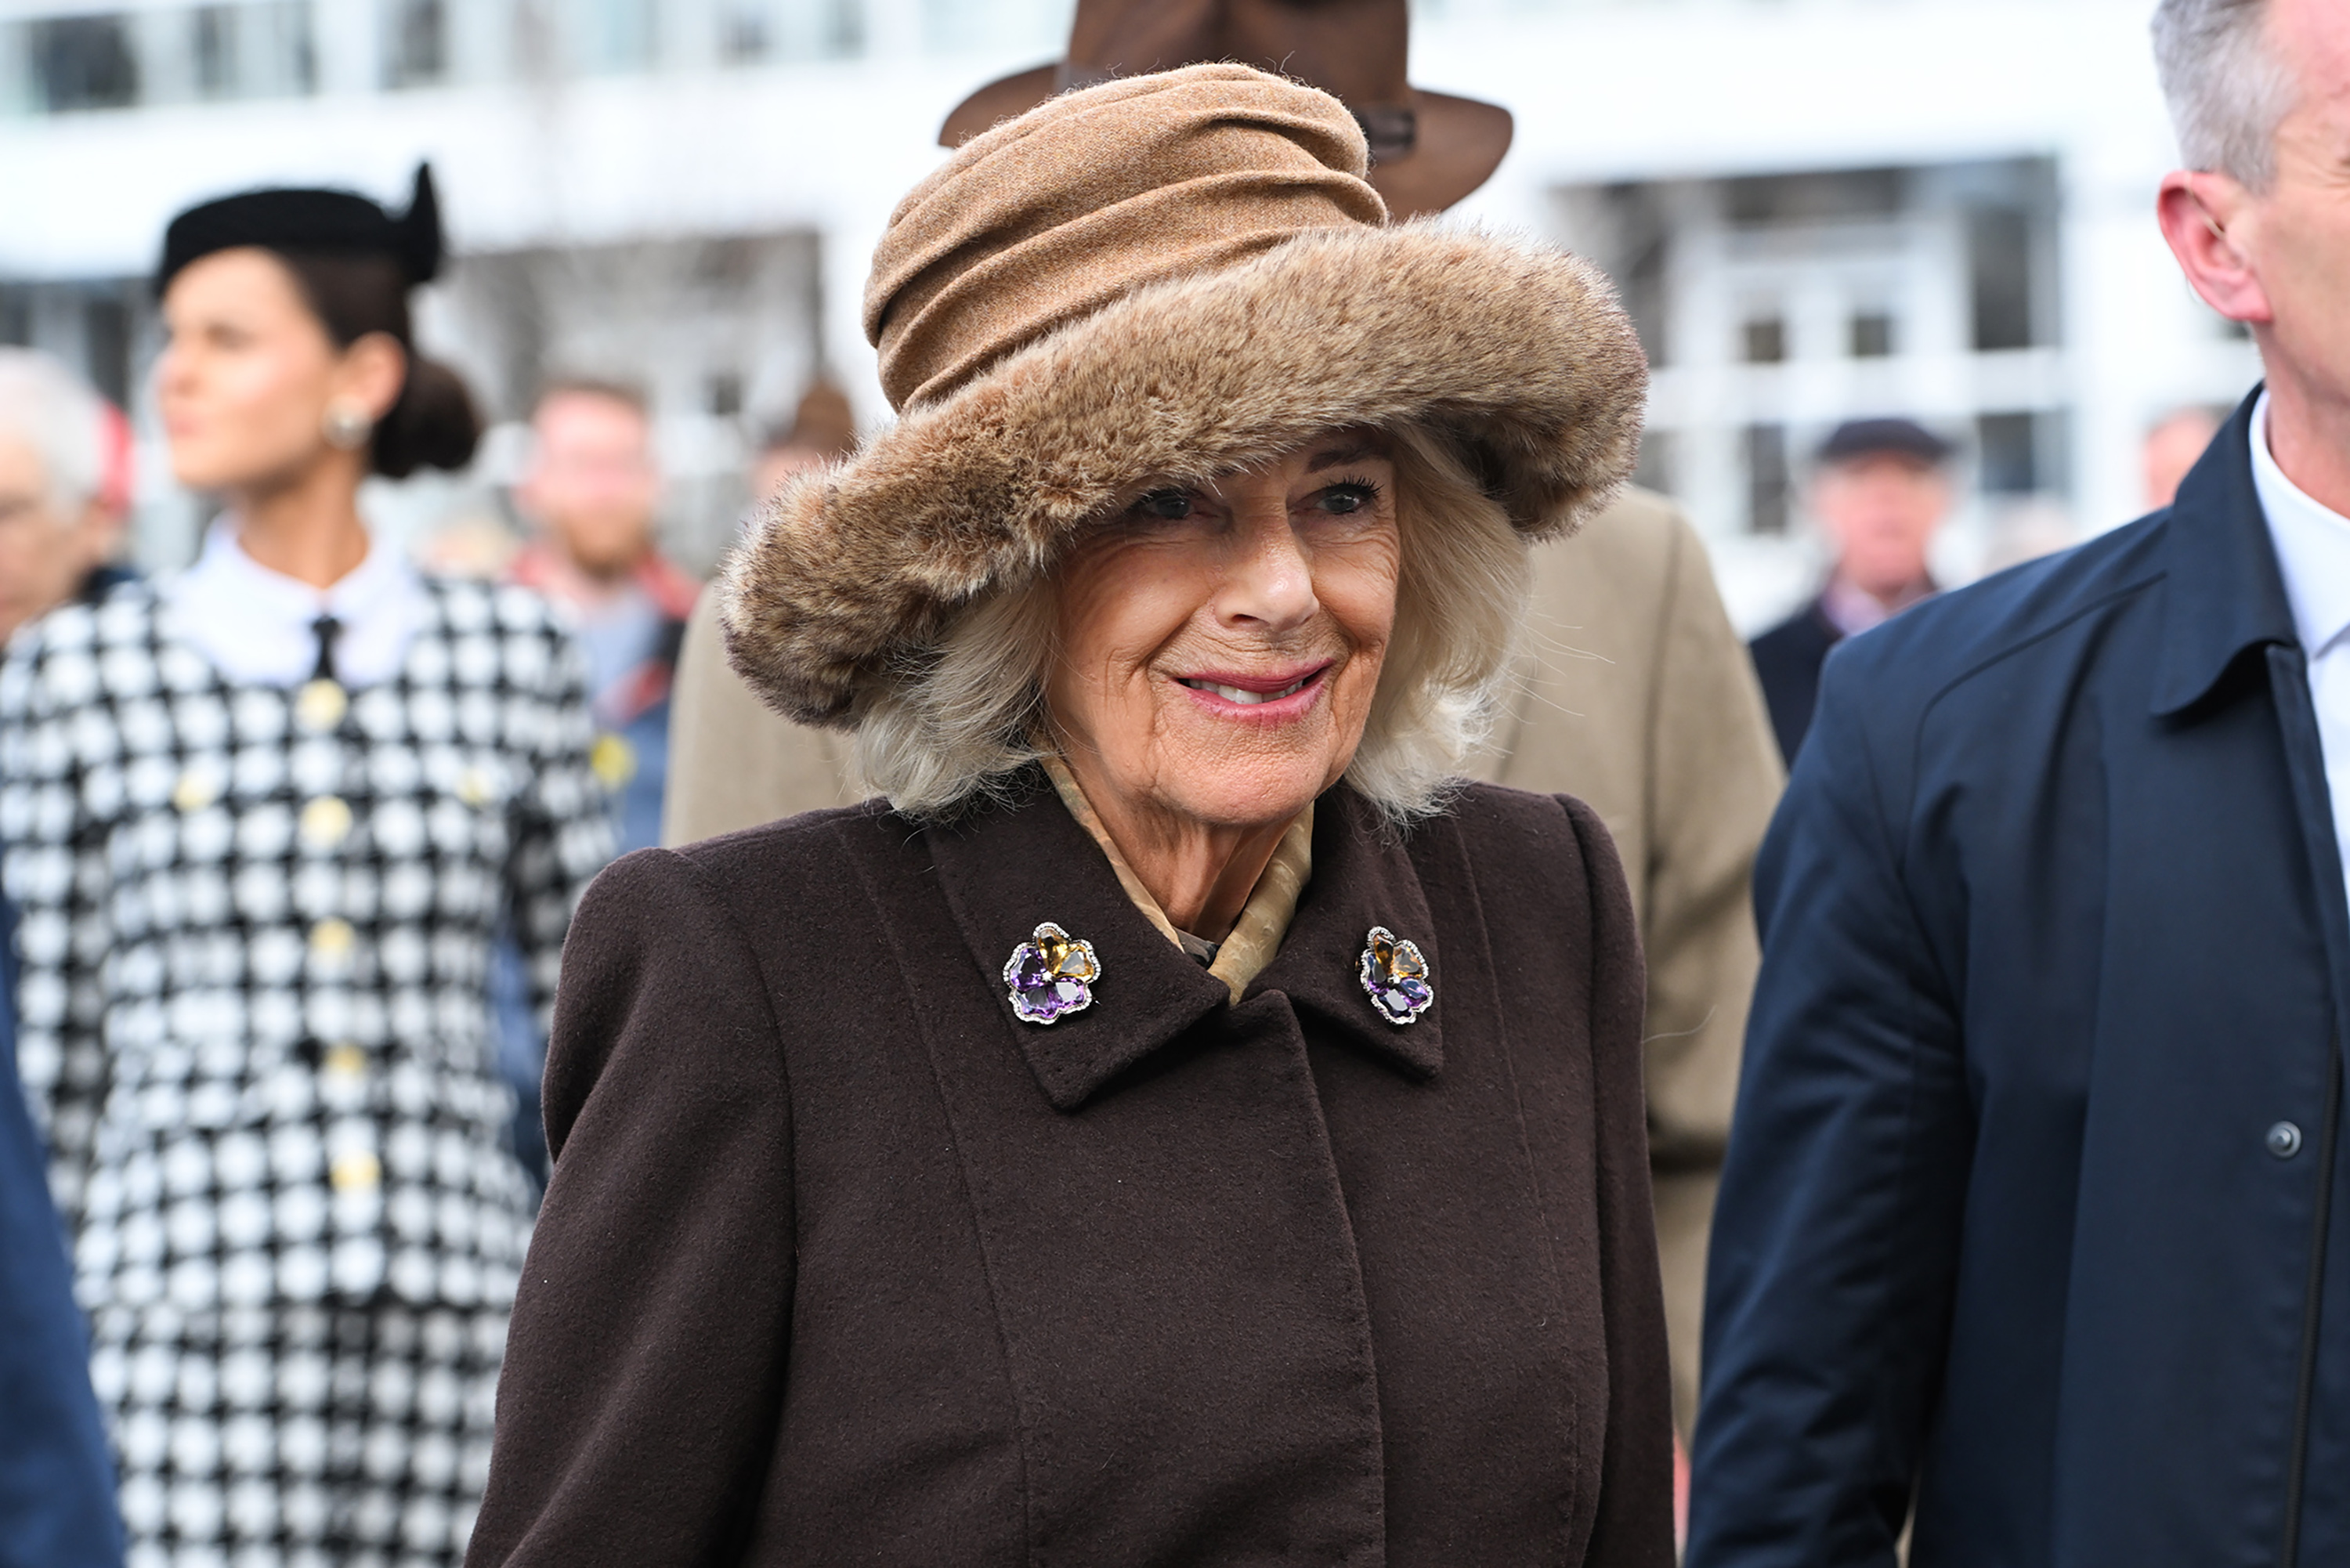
<point x="1028" y="972"/>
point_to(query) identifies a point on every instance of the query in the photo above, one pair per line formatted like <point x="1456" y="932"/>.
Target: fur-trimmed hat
<point x="1162" y="278"/>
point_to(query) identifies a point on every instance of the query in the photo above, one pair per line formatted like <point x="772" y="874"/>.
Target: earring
<point x="347" y="426"/>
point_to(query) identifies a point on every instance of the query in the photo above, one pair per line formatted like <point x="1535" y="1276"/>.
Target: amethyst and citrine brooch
<point x="1396" y="976"/>
<point x="1050" y="974"/>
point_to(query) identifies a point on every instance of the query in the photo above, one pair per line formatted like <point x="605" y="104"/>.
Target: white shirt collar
<point x="2313" y="546"/>
<point x="255" y="624"/>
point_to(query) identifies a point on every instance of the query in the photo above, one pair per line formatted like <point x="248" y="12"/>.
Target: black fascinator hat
<point x="310" y="222"/>
<point x="355" y="264"/>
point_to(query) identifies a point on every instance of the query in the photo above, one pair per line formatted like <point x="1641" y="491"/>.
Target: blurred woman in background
<point x="261" y="821"/>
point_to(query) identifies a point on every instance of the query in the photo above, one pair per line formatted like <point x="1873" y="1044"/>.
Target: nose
<point x="1268" y="584"/>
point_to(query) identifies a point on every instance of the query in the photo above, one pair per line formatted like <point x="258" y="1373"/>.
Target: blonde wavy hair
<point x="953" y="726"/>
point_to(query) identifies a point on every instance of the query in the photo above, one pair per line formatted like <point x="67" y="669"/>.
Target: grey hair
<point x="2226" y="83"/>
<point x="55" y="412"/>
<point x="956" y="724"/>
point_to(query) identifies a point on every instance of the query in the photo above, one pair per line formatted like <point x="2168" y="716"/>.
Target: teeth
<point x="1249" y="698"/>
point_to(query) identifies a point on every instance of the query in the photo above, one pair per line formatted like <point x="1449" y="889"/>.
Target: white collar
<point x="255" y="624"/>
<point x="2313" y="546"/>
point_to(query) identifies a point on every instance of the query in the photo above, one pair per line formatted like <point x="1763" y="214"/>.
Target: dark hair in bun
<point x="434" y="424"/>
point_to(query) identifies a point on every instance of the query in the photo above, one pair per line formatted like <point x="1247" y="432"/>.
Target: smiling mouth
<point x="1244" y="695"/>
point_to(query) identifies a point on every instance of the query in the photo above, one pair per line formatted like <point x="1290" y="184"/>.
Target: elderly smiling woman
<point x="1177" y="1124"/>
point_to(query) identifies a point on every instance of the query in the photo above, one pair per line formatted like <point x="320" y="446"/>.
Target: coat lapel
<point x="1008" y="866"/>
<point x="2223" y="592"/>
<point x="1362" y="877"/>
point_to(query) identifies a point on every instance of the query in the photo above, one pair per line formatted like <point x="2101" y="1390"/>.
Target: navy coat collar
<point x="1009" y="865"/>
<point x="2222" y="591"/>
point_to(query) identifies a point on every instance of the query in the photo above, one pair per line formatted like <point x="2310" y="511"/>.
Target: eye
<point x="1169" y="505"/>
<point x="1348" y="497"/>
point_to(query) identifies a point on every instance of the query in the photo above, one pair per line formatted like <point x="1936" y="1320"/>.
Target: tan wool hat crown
<point x="1164" y="277"/>
<point x="1089" y="196"/>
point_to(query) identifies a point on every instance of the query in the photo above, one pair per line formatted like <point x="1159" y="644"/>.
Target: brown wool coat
<point x="842" y="1264"/>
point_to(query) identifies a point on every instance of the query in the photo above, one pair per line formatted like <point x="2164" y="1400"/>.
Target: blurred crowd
<point x="292" y="837"/>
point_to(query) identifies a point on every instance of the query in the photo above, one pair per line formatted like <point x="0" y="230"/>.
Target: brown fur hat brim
<point x="1517" y="353"/>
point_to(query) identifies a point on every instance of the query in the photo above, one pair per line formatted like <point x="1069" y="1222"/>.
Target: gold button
<point x="473" y="786"/>
<point x="346" y="1061"/>
<point x="356" y="1172"/>
<point x="613" y="760"/>
<point x="332" y="938"/>
<point x="196" y="790"/>
<point x="326" y="821"/>
<point x="320" y="705"/>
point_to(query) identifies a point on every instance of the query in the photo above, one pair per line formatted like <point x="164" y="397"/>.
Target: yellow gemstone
<point x="346" y="1061"/>
<point x="196" y="790"/>
<point x="326" y="821"/>
<point x="333" y="938"/>
<point x="473" y="786"/>
<point x="357" y="1171"/>
<point x="320" y="705"/>
<point x="613" y="760"/>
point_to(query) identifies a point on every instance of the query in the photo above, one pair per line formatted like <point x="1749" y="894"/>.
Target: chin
<point x="1251" y="792"/>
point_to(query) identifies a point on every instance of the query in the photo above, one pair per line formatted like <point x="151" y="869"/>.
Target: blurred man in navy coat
<point x="2034" y="1207"/>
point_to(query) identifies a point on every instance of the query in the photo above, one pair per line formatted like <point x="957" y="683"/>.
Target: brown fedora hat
<point x="1427" y="149"/>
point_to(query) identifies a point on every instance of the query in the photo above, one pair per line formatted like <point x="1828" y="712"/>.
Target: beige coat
<point x="1635" y="696"/>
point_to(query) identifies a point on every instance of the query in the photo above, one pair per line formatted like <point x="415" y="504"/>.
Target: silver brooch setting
<point x="1051" y="974"/>
<point x="1394" y="976"/>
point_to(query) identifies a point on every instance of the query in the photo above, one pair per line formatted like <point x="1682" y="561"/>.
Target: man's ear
<point x="2207" y="219"/>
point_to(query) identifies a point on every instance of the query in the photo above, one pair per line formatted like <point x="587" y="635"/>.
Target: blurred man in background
<point x="822" y="430"/>
<point x="2033" y="1214"/>
<point x="64" y="488"/>
<point x="1881" y="493"/>
<point x="592" y="492"/>
<point x="2172" y="447"/>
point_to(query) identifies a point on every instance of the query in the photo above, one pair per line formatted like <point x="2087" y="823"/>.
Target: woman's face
<point x="1219" y="644"/>
<point x="248" y="373"/>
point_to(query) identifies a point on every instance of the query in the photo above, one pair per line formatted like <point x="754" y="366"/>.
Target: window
<point x="1766" y="341"/>
<point x="212" y="46"/>
<point x="1872" y="334"/>
<point x="1999" y="267"/>
<point x="1655" y="470"/>
<point x="419" y="42"/>
<point x="106" y="348"/>
<point x="2021" y="453"/>
<point x="743" y="36"/>
<point x="83" y="62"/>
<point x="1766" y="479"/>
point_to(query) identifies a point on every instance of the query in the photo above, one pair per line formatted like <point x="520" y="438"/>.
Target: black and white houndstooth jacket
<point x="256" y="929"/>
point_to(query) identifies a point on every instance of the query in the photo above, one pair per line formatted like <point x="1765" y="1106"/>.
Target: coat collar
<point x="2223" y="592"/>
<point x="1011" y="865"/>
<point x="1362" y="876"/>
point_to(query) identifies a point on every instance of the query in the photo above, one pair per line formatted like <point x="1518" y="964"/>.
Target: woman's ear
<point x="371" y="373"/>
<point x="2209" y="221"/>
